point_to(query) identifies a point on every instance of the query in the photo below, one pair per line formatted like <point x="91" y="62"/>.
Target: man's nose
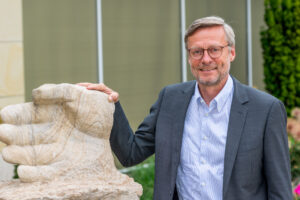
<point x="206" y="57"/>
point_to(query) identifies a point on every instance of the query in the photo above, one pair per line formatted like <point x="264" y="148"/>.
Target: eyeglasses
<point x="213" y="52"/>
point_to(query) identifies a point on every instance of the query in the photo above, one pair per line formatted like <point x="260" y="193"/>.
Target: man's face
<point x="210" y="71"/>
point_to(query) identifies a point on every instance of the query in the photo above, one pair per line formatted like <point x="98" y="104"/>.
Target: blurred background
<point x="56" y="41"/>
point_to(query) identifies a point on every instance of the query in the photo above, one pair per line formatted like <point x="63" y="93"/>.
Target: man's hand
<point x="112" y="95"/>
<point x="63" y="134"/>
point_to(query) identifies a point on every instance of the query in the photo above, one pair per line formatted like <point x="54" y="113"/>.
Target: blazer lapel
<point x="237" y="119"/>
<point x="182" y="102"/>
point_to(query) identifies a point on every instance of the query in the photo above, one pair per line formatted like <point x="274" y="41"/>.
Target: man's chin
<point x="211" y="82"/>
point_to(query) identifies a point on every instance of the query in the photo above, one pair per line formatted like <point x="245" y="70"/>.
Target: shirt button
<point x="202" y="184"/>
<point x="203" y="161"/>
<point x="206" y="114"/>
<point x="204" y="138"/>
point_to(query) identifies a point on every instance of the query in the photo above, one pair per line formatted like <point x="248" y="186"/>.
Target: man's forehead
<point x="211" y="32"/>
<point x="207" y="36"/>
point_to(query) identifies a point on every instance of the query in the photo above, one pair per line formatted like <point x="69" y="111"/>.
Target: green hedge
<point x="281" y="50"/>
<point x="294" y="156"/>
<point x="145" y="176"/>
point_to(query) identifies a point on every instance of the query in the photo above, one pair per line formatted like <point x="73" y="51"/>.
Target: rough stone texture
<point x="73" y="190"/>
<point x="61" y="141"/>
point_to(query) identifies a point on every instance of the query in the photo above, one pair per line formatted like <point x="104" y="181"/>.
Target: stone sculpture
<point x="61" y="143"/>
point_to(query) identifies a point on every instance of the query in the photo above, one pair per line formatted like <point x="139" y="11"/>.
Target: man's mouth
<point x="207" y="69"/>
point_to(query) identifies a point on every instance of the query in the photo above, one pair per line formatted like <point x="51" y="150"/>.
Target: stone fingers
<point x="32" y="155"/>
<point x="28" y="113"/>
<point x="36" y="173"/>
<point x="27" y="134"/>
<point x="11" y="134"/>
<point x="18" y="114"/>
<point x="56" y="93"/>
<point x="18" y="155"/>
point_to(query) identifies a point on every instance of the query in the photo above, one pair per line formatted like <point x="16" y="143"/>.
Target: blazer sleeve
<point x="132" y="148"/>
<point x="276" y="154"/>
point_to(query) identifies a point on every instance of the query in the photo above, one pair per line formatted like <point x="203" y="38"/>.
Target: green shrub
<point x="281" y="50"/>
<point x="294" y="156"/>
<point x="144" y="175"/>
<point x="16" y="176"/>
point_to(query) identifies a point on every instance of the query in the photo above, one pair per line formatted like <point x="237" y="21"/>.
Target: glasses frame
<point x="208" y="52"/>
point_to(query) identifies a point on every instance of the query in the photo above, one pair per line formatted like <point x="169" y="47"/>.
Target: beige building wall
<point x="11" y="63"/>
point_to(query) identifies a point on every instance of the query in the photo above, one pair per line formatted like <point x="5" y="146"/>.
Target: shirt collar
<point x="223" y="95"/>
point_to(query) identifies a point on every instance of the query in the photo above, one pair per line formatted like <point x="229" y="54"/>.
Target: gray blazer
<point x="256" y="165"/>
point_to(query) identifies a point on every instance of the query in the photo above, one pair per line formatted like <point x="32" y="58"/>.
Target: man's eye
<point x="214" y="49"/>
<point x="197" y="51"/>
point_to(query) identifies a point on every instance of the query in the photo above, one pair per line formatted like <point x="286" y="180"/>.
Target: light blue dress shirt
<point x="200" y="172"/>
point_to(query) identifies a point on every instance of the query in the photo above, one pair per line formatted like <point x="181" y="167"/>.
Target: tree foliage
<point x="281" y="50"/>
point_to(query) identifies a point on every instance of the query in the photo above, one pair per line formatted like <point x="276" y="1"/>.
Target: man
<point x="213" y="138"/>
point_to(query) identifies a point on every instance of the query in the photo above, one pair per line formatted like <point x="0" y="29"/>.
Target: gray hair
<point x="209" y="22"/>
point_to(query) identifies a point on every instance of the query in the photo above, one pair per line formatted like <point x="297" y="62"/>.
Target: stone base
<point x="79" y="190"/>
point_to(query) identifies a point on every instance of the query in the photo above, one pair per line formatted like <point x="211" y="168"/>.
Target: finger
<point x="100" y="87"/>
<point x="28" y="113"/>
<point x="36" y="173"/>
<point x="112" y="95"/>
<point x="11" y="134"/>
<point x="18" y="155"/>
<point x="28" y="134"/>
<point x="32" y="155"/>
<point x="52" y="93"/>
<point x="18" y="114"/>
<point x="84" y="84"/>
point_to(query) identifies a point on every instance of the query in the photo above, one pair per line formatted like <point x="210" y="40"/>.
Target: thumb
<point x="113" y="97"/>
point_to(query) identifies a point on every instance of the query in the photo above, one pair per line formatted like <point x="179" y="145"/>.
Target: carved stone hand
<point x="62" y="135"/>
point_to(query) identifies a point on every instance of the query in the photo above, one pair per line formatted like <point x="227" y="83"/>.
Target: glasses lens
<point x="214" y="52"/>
<point x="196" y="53"/>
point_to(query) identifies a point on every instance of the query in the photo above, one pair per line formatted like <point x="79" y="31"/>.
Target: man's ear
<point x="232" y="53"/>
<point x="189" y="60"/>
